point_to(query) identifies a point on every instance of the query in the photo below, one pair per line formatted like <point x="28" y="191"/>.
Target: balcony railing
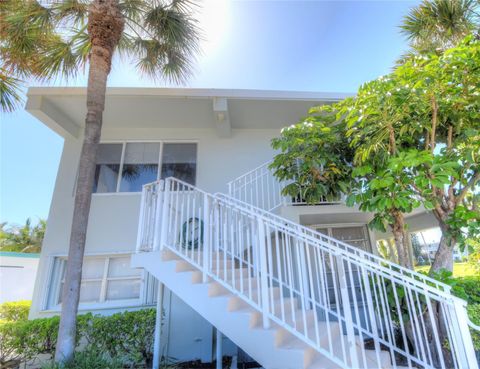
<point x="259" y="187"/>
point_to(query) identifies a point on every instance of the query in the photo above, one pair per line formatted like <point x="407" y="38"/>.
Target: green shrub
<point x="11" y="352"/>
<point x="24" y="340"/>
<point x="474" y="314"/>
<point x="127" y="336"/>
<point x="13" y="311"/>
<point x="471" y="287"/>
<point x="87" y="359"/>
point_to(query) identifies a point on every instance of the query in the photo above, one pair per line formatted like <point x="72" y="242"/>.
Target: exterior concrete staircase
<point x="274" y="347"/>
<point x="293" y="298"/>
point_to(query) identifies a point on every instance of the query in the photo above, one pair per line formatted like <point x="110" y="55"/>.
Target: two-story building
<point x="205" y="137"/>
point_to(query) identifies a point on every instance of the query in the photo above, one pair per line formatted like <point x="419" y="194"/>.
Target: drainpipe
<point x="219" y="349"/>
<point x="158" y="327"/>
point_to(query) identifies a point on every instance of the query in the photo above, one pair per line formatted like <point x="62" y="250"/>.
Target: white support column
<point x="219" y="349"/>
<point x="206" y="237"/>
<point x="158" y="215"/>
<point x="140" y="230"/>
<point x="304" y="271"/>
<point x="158" y="328"/>
<point x="165" y="214"/>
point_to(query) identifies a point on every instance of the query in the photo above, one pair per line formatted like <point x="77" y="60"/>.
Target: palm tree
<point x="27" y="238"/>
<point x="21" y="45"/>
<point x="437" y="25"/>
<point x="161" y="37"/>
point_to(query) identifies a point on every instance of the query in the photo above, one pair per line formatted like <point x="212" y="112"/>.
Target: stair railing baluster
<point x="262" y="248"/>
<point x="347" y="311"/>
<point x="397" y="306"/>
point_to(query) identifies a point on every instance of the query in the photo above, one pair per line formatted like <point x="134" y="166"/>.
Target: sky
<point x="330" y="46"/>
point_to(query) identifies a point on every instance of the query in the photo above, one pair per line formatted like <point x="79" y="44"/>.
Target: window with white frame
<point x="126" y="167"/>
<point x="104" y="279"/>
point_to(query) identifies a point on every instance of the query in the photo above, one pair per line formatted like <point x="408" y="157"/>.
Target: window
<point x="140" y="166"/>
<point x="126" y="167"/>
<point x="179" y="161"/>
<point x="356" y="236"/>
<point x="108" y="167"/>
<point x="104" y="279"/>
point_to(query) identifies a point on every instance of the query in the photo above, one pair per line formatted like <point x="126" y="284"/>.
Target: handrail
<point x="251" y="171"/>
<point x="473" y="325"/>
<point x="318" y="289"/>
<point x="345" y="247"/>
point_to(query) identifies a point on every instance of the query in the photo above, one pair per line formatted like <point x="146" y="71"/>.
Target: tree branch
<point x="434" y="122"/>
<point x="475" y="178"/>
<point x="450" y="137"/>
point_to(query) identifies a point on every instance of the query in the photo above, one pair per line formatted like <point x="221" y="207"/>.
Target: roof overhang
<point x="63" y="109"/>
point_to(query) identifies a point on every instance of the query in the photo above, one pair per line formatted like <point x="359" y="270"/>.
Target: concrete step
<point x="325" y="338"/>
<point x="366" y="360"/>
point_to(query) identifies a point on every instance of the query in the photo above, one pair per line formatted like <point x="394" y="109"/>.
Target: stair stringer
<point x="238" y="325"/>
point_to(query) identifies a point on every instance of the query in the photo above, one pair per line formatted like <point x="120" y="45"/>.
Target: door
<point x="356" y="236"/>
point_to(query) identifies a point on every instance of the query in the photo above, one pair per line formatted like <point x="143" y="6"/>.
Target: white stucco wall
<point x="114" y="217"/>
<point x="17" y="276"/>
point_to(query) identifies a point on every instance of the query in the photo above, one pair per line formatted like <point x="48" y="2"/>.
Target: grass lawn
<point x="459" y="269"/>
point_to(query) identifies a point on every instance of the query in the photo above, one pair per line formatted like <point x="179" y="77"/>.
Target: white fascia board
<point x="197" y="93"/>
<point x="54" y="119"/>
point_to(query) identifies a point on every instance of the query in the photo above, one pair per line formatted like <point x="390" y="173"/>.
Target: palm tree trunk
<point x="105" y="26"/>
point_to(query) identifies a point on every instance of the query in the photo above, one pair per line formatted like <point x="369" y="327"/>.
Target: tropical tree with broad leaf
<point x="445" y="168"/>
<point x="161" y="39"/>
<point x="415" y="140"/>
<point x="314" y="158"/>
<point x="375" y="124"/>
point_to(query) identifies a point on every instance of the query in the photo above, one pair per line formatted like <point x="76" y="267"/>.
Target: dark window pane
<point x="108" y="166"/>
<point x="180" y="161"/>
<point x="140" y="166"/>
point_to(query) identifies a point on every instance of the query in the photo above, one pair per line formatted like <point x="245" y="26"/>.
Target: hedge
<point x="88" y="359"/>
<point x="126" y="336"/>
<point x="471" y="288"/>
<point x="468" y="288"/>
<point x="13" y="311"/>
<point x="474" y="314"/>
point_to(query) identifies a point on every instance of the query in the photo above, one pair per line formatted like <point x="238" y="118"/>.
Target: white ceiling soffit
<point x="63" y="109"/>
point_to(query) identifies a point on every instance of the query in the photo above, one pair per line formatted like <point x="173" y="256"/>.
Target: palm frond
<point x="167" y="41"/>
<point x="61" y="57"/>
<point x="10" y="98"/>
<point x="45" y="40"/>
<point x="75" y="11"/>
<point x="132" y="9"/>
<point x="436" y="25"/>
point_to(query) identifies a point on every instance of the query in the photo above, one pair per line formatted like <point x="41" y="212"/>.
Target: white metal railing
<point x="313" y="286"/>
<point x="259" y="187"/>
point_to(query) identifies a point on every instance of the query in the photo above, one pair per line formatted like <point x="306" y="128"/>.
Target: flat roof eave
<point x="196" y="93"/>
<point x="63" y="109"/>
